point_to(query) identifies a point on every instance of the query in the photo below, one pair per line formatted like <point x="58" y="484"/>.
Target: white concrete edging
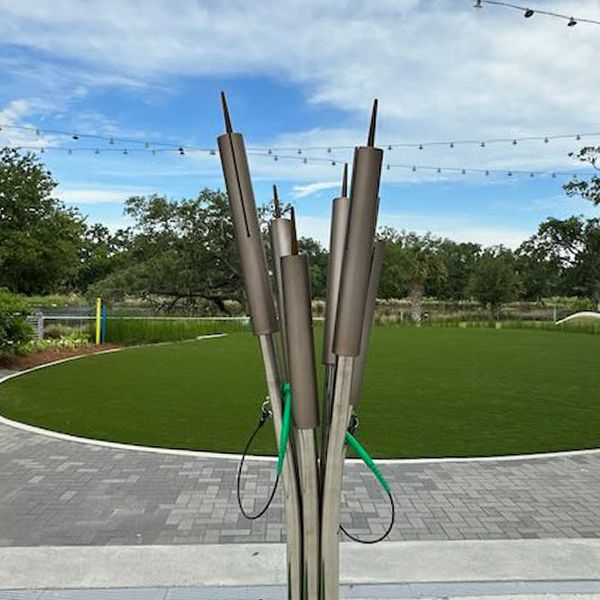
<point x="237" y="457"/>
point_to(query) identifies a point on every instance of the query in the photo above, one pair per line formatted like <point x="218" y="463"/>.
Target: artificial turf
<point x="428" y="392"/>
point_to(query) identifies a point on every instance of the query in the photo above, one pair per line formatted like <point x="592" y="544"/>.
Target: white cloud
<point x="441" y="69"/>
<point x="97" y="195"/>
<point x="303" y="190"/>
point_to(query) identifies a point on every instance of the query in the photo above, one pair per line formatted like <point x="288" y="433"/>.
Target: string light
<point x="528" y="12"/>
<point x="306" y="160"/>
<point x="162" y="145"/>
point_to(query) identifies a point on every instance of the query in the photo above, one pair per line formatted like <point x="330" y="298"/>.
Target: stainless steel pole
<point x="352" y="302"/>
<point x="303" y="381"/>
<point x="264" y="323"/>
<point x="291" y="494"/>
<point x="337" y="242"/>
<point x="332" y="480"/>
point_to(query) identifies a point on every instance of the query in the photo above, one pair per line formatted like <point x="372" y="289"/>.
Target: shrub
<point x="15" y="332"/>
<point x="65" y="342"/>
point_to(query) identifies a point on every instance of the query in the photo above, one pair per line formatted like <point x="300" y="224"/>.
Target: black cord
<point x="264" y="416"/>
<point x="353" y="426"/>
<point x="382" y="536"/>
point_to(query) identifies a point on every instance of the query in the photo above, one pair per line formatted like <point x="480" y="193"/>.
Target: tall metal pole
<point x="303" y="380"/>
<point x="361" y="359"/>
<point x="337" y="242"/>
<point x="352" y="302"/>
<point x="281" y="245"/>
<point x="264" y="322"/>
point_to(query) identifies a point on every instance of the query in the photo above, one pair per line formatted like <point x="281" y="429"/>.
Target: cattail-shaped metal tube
<point x="362" y="223"/>
<point x="361" y="359"/>
<point x="281" y="245"/>
<point x="264" y="322"/>
<point x="337" y="242"/>
<point x="352" y="300"/>
<point x="247" y="231"/>
<point x="298" y="319"/>
<point x="303" y="379"/>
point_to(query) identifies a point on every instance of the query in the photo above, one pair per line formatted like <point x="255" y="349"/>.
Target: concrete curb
<point x="264" y="564"/>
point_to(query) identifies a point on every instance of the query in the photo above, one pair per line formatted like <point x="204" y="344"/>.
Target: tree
<point x="411" y="263"/>
<point x="179" y="252"/>
<point x="589" y="190"/>
<point x="14" y="329"/>
<point x="41" y="238"/>
<point x="539" y="270"/>
<point x="317" y="259"/>
<point x="495" y="280"/>
<point x="101" y="253"/>
<point x="574" y="244"/>
<point x="459" y="259"/>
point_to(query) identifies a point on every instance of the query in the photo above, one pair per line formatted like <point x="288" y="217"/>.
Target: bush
<point x="15" y="332"/>
<point x="66" y="342"/>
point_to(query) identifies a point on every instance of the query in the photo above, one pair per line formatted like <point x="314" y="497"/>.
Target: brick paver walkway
<point x="56" y="492"/>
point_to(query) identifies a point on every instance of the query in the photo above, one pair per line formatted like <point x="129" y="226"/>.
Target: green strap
<point x="286" y="398"/>
<point x="360" y="450"/>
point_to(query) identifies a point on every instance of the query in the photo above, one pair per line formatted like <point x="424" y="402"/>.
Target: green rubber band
<point x="361" y="451"/>
<point x="286" y="399"/>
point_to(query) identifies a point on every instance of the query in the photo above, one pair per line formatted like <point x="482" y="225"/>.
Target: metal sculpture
<point x="312" y="476"/>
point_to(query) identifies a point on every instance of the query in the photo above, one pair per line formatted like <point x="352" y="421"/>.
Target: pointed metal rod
<point x="344" y="193"/>
<point x="294" y="231"/>
<point x="276" y="202"/>
<point x="372" y="127"/>
<point x="227" y="118"/>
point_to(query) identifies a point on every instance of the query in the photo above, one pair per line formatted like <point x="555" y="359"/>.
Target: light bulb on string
<point x="572" y="22"/>
<point x="546" y="140"/>
<point x="389" y="148"/>
<point x="528" y="13"/>
<point x="111" y="141"/>
<point x="212" y="153"/>
<point x="514" y="142"/>
<point x="483" y="144"/>
<point x="510" y="173"/>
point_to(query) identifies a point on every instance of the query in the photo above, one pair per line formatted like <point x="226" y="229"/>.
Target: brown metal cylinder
<point x="247" y="232"/>
<point x="301" y="352"/>
<point x="362" y="222"/>
<point x="337" y="241"/>
<point x="360" y="361"/>
<point x="281" y="245"/>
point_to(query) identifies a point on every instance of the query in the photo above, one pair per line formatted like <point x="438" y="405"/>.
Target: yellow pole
<point x="98" y="319"/>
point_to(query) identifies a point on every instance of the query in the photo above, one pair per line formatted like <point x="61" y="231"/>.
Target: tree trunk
<point x="417" y="292"/>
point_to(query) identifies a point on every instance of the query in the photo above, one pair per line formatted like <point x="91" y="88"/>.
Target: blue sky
<point x="304" y="74"/>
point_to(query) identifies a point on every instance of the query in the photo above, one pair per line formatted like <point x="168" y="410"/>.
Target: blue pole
<point x="103" y="324"/>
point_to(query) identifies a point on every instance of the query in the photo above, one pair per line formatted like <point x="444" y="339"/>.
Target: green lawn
<point x="428" y="392"/>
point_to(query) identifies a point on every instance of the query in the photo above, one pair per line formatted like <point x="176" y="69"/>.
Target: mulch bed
<point x="18" y="363"/>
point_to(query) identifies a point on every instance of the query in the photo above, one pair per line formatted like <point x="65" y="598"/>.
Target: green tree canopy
<point x="495" y="280"/>
<point x="589" y="190"/>
<point x="41" y="238"/>
<point x="179" y="252"/>
<point x="411" y="263"/>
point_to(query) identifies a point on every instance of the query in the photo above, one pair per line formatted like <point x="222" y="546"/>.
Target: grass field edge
<point x="236" y="457"/>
